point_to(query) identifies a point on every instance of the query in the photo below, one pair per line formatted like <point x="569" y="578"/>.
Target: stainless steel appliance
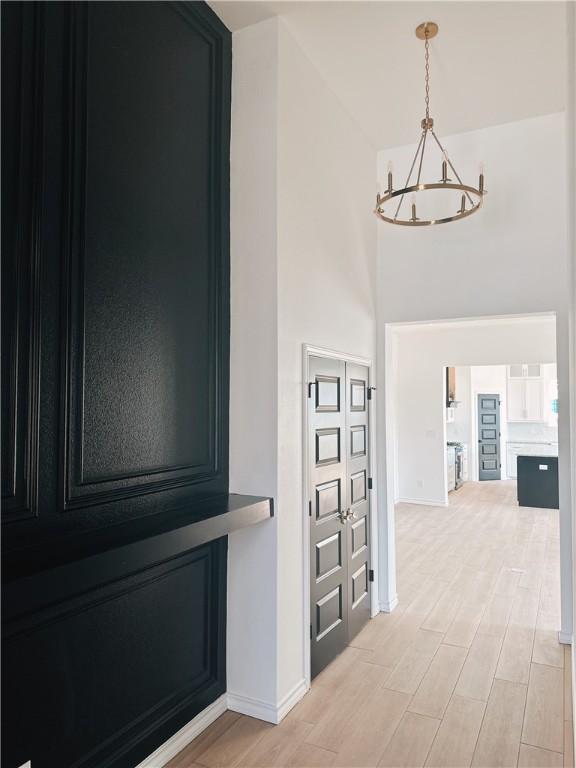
<point x="459" y="464"/>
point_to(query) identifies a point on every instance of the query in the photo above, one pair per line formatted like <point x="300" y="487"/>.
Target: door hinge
<point x="369" y="483"/>
<point x="370" y="575"/>
<point x="310" y="631"/>
<point x="310" y="385"/>
<point x="369" y="391"/>
<point x="309" y="509"/>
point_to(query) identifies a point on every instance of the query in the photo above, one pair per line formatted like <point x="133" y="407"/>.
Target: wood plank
<point x="412" y="667"/>
<point x="463" y="629"/>
<point x="371" y="727"/>
<point x="499" y="739"/>
<point x="495" y="618"/>
<point x="311" y="756"/>
<point x="456" y="738"/>
<point x="333" y="727"/>
<point x="568" y="744"/>
<point x="478" y="672"/>
<point x="204" y="740"/>
<point x="436" y="688"/>
<point x="544" y="717"/>
<point x="516" y="655"/>
<point x="234" y="743"/>
<point x="277" y="745"/>
<point x="568" y="715"/>
<point x="547" y="648"/>
<point x="411" y="742"/>
<point x="534" y="757"/>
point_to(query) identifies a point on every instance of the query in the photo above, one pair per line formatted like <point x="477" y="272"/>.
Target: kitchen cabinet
<point x="525" y="393"/>
<point x="515" y="449"/>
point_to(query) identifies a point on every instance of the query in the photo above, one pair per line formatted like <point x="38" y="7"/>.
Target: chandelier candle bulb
<point x="444" y="171"/>
<point x="390" y="188"/>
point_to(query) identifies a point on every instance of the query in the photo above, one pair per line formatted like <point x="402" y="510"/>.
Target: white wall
<point x="508" y="259"/>
<point x="422" y="352"/>
<point x="303" y="252"/>
<point x="253" y="552"/>
<point x="327" y="241"/>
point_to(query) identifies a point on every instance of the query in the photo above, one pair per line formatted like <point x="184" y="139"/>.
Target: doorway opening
<point x="476" y="401"/>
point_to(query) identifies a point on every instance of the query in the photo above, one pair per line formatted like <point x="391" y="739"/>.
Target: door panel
<point x="357" y="467"/>
<point x="339" y="506"/>
<point x="328" y="544"/>
<point x="489" y="437"/>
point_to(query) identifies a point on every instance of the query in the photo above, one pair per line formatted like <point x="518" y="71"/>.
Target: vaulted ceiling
<point x="492" y="62"/>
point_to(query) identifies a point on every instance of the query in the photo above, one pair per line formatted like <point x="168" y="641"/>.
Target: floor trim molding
<point x="424" y="502"/>
<point x="185" y="735"/>
<point x="262" y="710"/>
<point x="387" y="606"/>
<point x="565" y="638"/>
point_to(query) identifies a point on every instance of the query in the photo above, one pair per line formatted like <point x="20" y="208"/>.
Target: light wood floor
<point x="467" y="671"/>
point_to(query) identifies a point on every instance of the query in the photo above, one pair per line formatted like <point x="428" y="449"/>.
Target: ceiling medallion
<point x="471" y="197"/>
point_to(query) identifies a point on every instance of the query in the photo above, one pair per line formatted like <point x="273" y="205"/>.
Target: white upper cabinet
<point x="524" y="371"/>
<point x="525" y="393"/>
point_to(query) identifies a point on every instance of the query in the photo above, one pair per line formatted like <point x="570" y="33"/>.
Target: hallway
<point x="466" y="671"/>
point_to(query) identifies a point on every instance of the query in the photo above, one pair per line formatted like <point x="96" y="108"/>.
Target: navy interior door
<point x="489" y="467"/>
<point x="338" y="448"/>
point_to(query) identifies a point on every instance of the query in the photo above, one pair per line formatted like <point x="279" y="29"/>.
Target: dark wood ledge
<point x="38" y="576"/>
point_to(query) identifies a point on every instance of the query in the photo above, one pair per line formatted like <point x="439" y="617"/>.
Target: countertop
<point x="531" y="442"/>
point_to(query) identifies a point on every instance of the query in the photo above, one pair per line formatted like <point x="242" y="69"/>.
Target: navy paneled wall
<point x="115" y="380"/>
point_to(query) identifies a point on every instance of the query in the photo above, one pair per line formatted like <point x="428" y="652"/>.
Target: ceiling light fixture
<point x="470" y="198"/>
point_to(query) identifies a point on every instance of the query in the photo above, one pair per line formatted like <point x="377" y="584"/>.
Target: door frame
<point x="310" y="350"/>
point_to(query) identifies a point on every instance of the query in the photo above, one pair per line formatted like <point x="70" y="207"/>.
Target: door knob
<point x="343" y="516"/>
<point x="352" y="514"/>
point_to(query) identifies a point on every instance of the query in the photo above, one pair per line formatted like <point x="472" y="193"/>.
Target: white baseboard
<point x="565" y="638"/>
<point x="424" y="502"/>
<point x="262" y="710"/>
<point x="185" y="735"/>
<point x="387" y="606"/>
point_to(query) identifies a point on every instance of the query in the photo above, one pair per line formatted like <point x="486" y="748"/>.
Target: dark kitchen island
<point x="538" y="481"/>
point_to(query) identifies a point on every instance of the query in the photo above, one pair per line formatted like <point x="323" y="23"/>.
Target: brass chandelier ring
<point x="465" y="188"/>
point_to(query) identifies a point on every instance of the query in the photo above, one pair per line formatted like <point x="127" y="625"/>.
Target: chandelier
<point x="389" y="207"/>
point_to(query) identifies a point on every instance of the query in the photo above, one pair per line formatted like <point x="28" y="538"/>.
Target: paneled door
<point x="357" y="475"/>
<point x="489" y="437"/>
<point x="338" y="506"/>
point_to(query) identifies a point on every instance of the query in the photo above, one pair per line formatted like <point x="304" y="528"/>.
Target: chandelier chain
<point x="427" y="68"/>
